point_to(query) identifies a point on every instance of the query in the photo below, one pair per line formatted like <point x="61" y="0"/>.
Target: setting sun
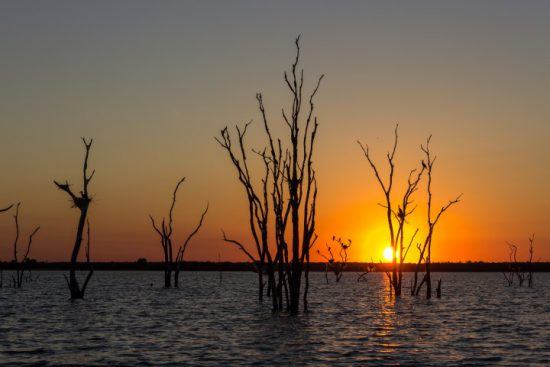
<point x="388" y="254"/>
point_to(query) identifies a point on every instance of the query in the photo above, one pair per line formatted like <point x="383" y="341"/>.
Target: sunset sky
<point x="153" y="83"/>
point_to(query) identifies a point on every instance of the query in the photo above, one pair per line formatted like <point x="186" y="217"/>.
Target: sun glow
<point x="388" y="254"/>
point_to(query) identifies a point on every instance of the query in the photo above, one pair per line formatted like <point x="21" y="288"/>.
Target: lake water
<point x="127" y="319"/>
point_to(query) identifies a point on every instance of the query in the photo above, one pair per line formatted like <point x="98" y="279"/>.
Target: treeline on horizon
<point x="352" y="267"/>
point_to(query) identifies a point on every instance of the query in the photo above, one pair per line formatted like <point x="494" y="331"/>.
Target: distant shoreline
<point x="316" y="267"/>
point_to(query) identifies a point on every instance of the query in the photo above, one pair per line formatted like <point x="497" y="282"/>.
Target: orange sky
<point x="154" y="85"/>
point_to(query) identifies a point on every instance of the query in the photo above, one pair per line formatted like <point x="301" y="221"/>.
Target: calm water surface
<point x="129" y="320"/>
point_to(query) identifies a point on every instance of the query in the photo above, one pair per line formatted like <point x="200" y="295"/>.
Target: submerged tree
<point x="432" y="220"/>
<point x="165" y="231"/>
<point x="258" y="210"/>
<point x="20" y="265"/>
<point x="396" y="217"/>
<point x="367" y="269"/>
<point x="290" y="176"/>
<point x="530" y="262"/>
<point x="81" y="202"/>
<point x="5" y="209"/>
<point x="521" y="270"/>
<point x="332" y="264"/>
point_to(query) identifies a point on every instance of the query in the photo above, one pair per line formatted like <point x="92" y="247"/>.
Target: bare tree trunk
<point x="81" y="202"/>
<point x="428" y="280"/>
<point x="428" y="164"/>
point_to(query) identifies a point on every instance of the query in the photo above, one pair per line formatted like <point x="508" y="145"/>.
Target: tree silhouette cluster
<point x="284" y="195"/>
<point x="521" y="271"/>
<point x="336" y="265"/>
<point x="396" y="215"/>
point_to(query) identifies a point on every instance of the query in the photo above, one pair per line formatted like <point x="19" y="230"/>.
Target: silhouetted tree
<point x="258" y="210"/>
<point x="369" y="268"/>
<point x="530" y="262"/>
<point x="5" y="209"/>
<point x="81" y="202"/>
<point x="20" y="265"/>
<point x="511" y="272"/>
<point x="171" y="263"/>
<point x="336" y="266"/>
<point x="522" y="270"/>
<point x="295" y="184"/>
<point x="289" y="170"/>
<point x="396" y="217"/>
<point x="426" y="248"/>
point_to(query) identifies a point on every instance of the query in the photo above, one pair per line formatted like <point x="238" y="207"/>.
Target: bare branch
<point x="240" y="246"/>
<point x="183" y="247"/>
<point x="6" y="208"/>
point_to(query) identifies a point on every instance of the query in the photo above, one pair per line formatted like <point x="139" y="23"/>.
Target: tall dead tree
<point x="294" y="183"/>
<point x="165" y="231"/>
<point x="290" y="176"/>
<point x="20" y="265"/>
<point x="432" y="220"/>
<point x="81" y="202"/>
<point x="396" y="217"/>
<point x="258" y="209"/>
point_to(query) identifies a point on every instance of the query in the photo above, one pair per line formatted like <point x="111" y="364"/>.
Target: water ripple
<point x="127" y="322"/>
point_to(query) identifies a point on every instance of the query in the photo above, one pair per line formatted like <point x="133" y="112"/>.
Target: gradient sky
<point x="154" y="82"/>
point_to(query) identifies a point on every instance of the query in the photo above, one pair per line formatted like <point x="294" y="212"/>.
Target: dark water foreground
<point x="127" y="321"/>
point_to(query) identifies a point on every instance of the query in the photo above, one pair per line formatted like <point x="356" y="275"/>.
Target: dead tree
<point x="1" y="270"/>
<point x="415" y="288"/>
<point x="369" y="268"/>
<point x="530" y="263"/>
<point x="257" y="196"/>
<point x="336" y="266"/>
<point x="512" y="265"/>
<point x="289" y="184"/>
<point x="17" y="279"/>
<point x="294" y="184"/>
<point x="165" y="231"/>
<point x="396" y="217"/>
<point x="426" y="247"/>
<point x="81" y="202"/>
<point x="522" y="271"/>
<point x="183" y="247"/>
